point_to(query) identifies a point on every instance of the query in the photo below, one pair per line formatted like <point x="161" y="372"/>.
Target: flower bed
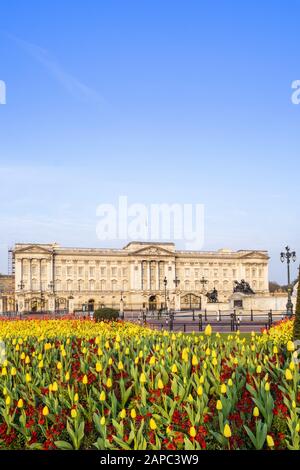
<point x="79" y="385"/>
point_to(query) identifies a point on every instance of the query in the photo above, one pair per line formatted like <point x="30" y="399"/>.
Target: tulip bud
<point x="193" y="432"/>
<point x="13" y="371"/>
<point x="73" y="413"/>
<point x="270" y="441"/>
<point x="109" y="382"/>
<point x="45" y="411"/>
<point x="102" y="396"/>
<point x="152" y="361"/>
<point x="152" y="424"/>
<point x="200" y="390"/>
<point x="174" y="369"/>
<point x="133" y="413"/>
<point x="194" y="360"/>
<point x="7" y="400"/>
<point x="208" y="330"/>
<point x="143" y="378"/>
<point x="290" y="346"/>
<point x="123" y="414"/>
<point x="255" y="412"/>
<point x="219" y="405"/>
<point x="288" y="375"/>
<point x="98" y="367"/>
<point x="223" y="389"/>
<point x="20" y="403"/>
<point x="102" y="421"/>
<point x="227" y="431"/>
<point x="76" y="397"/>
<point x="267" y="387"/>
<point x="160" y="384"/>
<point x="85" y="379"/>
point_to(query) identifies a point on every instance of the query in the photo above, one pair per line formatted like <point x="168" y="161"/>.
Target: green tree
<point x="297" y="312"/>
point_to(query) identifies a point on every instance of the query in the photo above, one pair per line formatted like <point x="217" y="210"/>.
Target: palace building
<point x="142" y="275"/>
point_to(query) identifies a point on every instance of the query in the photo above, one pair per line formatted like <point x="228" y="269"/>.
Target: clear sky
<point x="163" y="101"/>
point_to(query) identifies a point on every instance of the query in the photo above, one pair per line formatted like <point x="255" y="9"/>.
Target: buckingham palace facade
<point x="49" y="277"/>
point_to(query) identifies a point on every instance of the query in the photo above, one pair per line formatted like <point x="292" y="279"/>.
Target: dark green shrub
<point x="105" y="313"/>
<point x="297" y="315"/>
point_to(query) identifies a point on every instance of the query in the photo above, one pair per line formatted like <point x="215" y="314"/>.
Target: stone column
<point x="157" y="275"/>
<point x="30" y="274"/>
<point x="149" y="274"/>
<point x="40" y="273"/>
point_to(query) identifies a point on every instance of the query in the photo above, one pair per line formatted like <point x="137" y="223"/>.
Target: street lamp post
<point x="203" y="281"/>
<point x="121" y="306"/>
<point x="287" y="256"/>
<point x="165" y="284"/>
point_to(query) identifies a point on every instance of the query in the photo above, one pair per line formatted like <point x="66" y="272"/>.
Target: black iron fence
<point x="219" y="320"/>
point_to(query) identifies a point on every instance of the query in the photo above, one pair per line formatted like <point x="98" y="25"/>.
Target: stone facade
<point x="7" y="293"/>
<point x="49" y="277"/>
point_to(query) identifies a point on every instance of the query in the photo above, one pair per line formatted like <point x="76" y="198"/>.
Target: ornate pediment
<point x="263" y="255"/>
<point x="153" y="251"/>
<point x="34" y="249"/>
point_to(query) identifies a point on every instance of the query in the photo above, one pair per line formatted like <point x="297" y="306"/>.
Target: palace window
<point x="113" y="271"/>
<point x="80" y="271"/>
<point x="92" y="272"/>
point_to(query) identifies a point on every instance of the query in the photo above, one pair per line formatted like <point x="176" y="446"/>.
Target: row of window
<point x="115" y="285"/>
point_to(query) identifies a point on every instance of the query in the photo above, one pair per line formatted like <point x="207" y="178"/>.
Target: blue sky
<point x="162" y="101"/>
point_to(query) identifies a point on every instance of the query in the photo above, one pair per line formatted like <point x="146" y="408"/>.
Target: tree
<point x="297" y="313"/>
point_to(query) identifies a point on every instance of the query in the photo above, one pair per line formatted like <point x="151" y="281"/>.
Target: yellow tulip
<point x="133" y="413"/>
<point x="85" y="379"/>
<point x="152" y="424"/>
<point x="270" y="441"/>
<point x="290" y="346"/>
<point x="193" y="432"/>
<point x="20" y="403"/>
<point x="109" y="382"/>
<point x="102" y="396"/>
<point x="76" y="397"/>
<point x="174" y="369"/>
<point x="143" y="378"/>
<point x="7" y="400"/>
<point x="223" y="389"/>
<point x="13" y="371"/>
<point x="54" y="387"/>
<point x="73" y="413"/>
<point x="208" y="330"/>
<point x="258" y="369"/>
<point x="98" y="367"/>
<point x="194" y="360"/>
<point x="102" y="421"/>
<point x="200" y="390"/>
<point x="67" y="376"/>
<point x="267" y="387"/>
<point x="160" y="384"/>
<point x="219" y="405"/>
<point x="59" y="365"/>
<point x="28" y="378"/>
<point x="255" y="412"/>
<point x="123" y="414"/>
<point x="45" y="411"/>
<point x="288" y="375"/>
<point x="227" y="431"/>
<point x="152" y="361"/>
